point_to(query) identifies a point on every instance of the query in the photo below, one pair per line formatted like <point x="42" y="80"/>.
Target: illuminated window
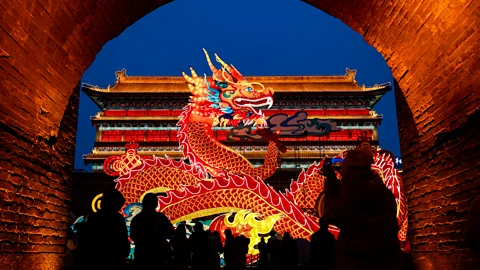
<point x="358" y="112"/>
<point x="159" y="113"/>
<point x="114" y="113"/>
<point x="136" y="135"/>
<point x="173" y="135"/>
<point x="111" y="136"/>
<point x="157" y="135"/>
<point x="136" y="112"/>
<point x="176" y="112"/>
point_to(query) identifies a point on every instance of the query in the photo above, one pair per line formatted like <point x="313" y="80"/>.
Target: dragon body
<point x="218" y="180"/>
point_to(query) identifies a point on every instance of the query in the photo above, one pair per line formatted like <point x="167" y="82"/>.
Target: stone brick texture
<point x="431" y="46"/>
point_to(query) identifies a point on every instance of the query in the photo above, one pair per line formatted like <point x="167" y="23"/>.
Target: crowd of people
<point x="361" y="206"/>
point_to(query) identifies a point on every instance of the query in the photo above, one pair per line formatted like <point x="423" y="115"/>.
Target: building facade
<point x="316" y="116"/>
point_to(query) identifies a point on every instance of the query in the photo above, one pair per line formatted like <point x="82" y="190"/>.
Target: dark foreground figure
<point x="149" y="231"/>
<point x="366" y="215"/>
<point x="103" y="239"/>
<point x="322" y="248"/>
<point x="181" y="248"/>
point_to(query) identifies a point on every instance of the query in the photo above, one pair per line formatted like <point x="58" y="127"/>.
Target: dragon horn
<point x="212" y="67"/>
<point x="187" y="78"/>
<point x="237" y="73"/>
<point x="194" y="74"/>
<point x="231" y="70"/>
<point x="224" y="65"/>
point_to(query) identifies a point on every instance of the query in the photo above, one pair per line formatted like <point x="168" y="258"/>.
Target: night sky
<point x="290" y="38"/>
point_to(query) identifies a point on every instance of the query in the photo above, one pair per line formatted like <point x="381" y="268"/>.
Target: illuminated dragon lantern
<point x="225" y="99"/>
<point x="217" y="180"/>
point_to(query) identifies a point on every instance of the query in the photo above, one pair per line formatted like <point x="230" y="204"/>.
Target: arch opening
<point x="430" y="48"/>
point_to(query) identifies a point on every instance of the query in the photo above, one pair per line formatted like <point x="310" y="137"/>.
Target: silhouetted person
<point x="149" y="231"/>
<point x="366" y="216"/>
<point x="322" y="248"/>
<point x="181" y="248"/>
<point x="229" y="250"/>
<point x="214" y="248"/>
<point x="289" y="252"/>
<point x="275" y="250"/>
<point x="263" y="249"/>
<point x="104" y="237"/>
<point x="472" y="230"/>
<point x="303" y="247"/>
<point x="242" y="251"/>
<point x="332" y="187"/>
<point x="199" y="243"/>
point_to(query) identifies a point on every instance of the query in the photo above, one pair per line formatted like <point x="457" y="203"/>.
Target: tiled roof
<point x="177" y="84"/>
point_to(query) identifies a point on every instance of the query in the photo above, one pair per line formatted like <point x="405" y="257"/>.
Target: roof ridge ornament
<point x="351" y="73"/>
<point x="121" y="74"/>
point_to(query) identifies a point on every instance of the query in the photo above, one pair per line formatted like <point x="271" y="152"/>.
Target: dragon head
<point x="227" y="97"/>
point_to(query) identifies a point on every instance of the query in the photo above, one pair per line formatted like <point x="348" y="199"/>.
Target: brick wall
<point x="431" y="46"/>
<point x="35" y="180"/>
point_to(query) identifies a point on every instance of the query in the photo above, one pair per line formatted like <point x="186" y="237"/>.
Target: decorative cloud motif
<point x="244" y="133"/>
<point x="297" y="125"/>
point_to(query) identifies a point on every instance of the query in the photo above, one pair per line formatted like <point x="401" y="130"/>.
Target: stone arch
<point x="431" y="47"/>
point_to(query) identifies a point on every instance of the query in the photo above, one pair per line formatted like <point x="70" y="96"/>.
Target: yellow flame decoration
<point x="244" y="217"/>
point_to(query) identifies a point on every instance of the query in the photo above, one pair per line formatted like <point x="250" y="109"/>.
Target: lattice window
<point x="358" y="112"/>
<point x="176" y="112"/>
<point x="111" y="136"/>
<point x="159" y="112"/>
<point x="358" y="133"/>
<point x="115" y="113"/>
<point x="157" y="136"/>
<point x="136" y="112"/>
<point x="342" y="135"/>
<point x="136" y="135"/>
<point x="335" y="112"/>
<point x="173" y="135"/>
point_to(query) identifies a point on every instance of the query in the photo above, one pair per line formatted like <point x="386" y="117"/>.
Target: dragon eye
<point x="249" y="89"/>
<point x="221" y="84"/>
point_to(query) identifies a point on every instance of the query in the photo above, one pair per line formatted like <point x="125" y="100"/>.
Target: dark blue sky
<point x="288" y="38"/>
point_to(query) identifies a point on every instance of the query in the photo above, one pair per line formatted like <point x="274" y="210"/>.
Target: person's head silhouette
<point x="198" y="227"/>
<point x="112" y="200"/>
<point x="357" y="159"/>
<point x="181" y="231"/>
<point x="150" y="202"/>
<point x="216" y="235"/>
<point x="273" y="233"/>
<point x="228" y="234"/>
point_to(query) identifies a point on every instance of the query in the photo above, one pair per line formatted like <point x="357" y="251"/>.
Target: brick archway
<point x="431" y="47"/>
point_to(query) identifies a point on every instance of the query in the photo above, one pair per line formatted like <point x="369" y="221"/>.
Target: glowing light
<point x="118" y="166"/>
<point x="255" y="227"/>
<point x="96" y="202"/>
